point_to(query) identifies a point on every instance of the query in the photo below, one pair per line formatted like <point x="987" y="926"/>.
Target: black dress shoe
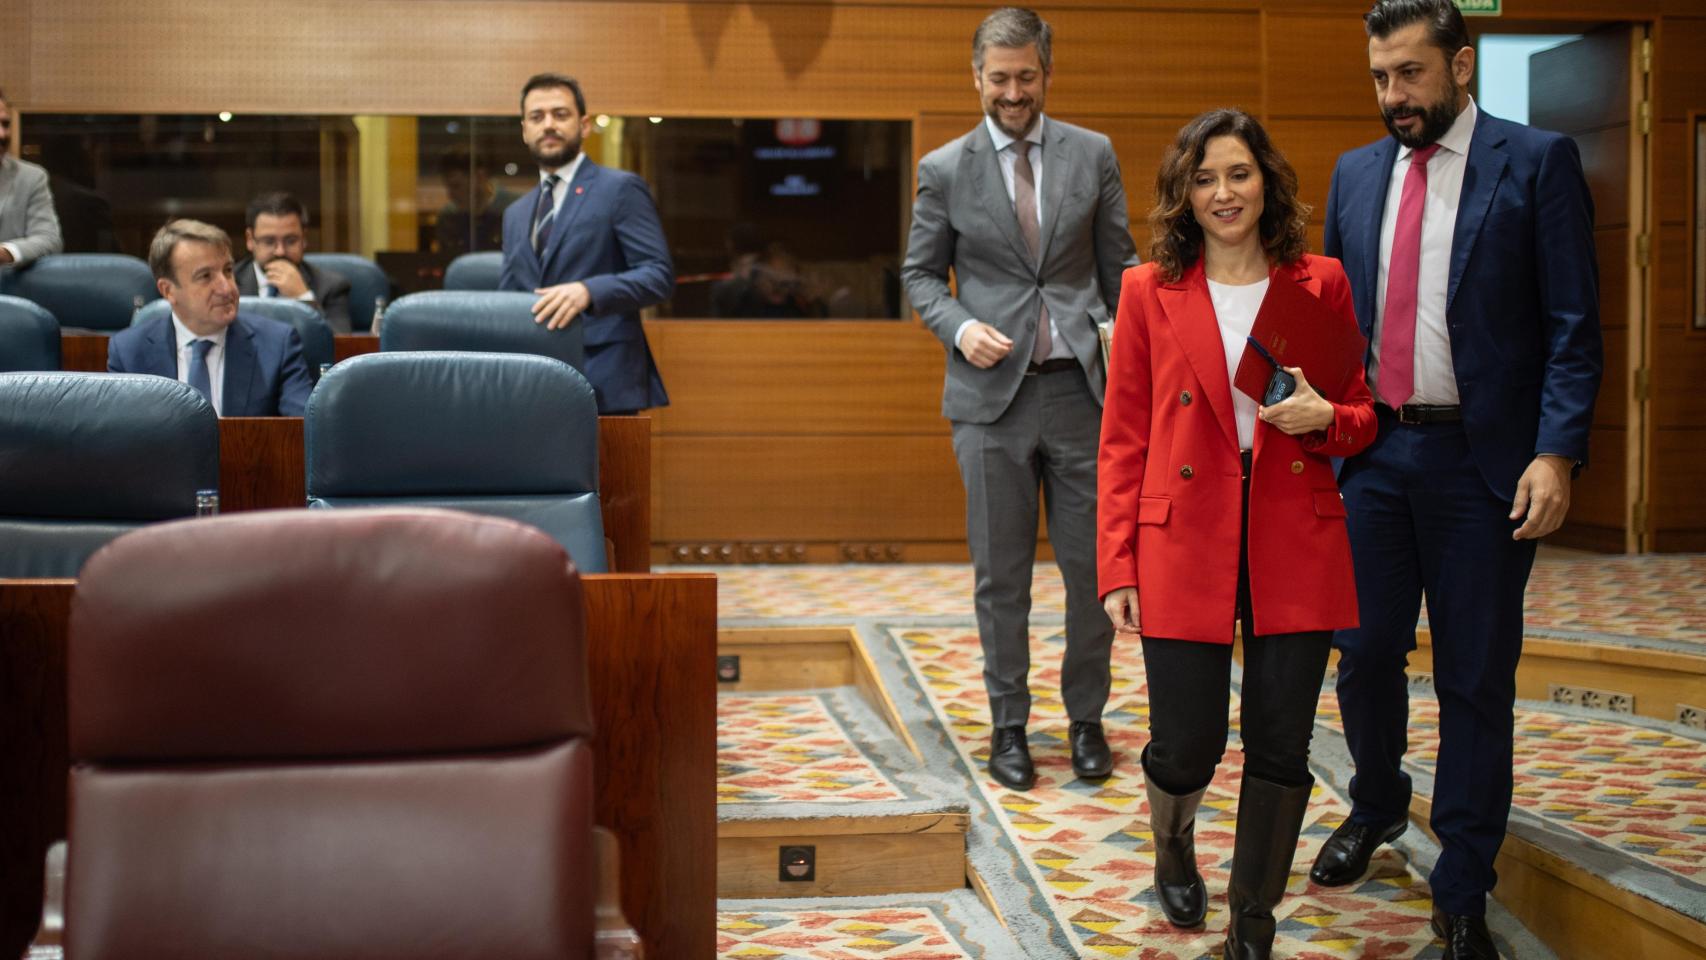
<point x="1010" y="759"/>
<point x="1466" y="938"/>
<point x="1344" y="857"/>
<point x="1091" y="758"/>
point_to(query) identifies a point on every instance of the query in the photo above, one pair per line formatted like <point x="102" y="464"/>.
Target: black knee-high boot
<point x="1270" y="816"/>
<point x="1173" y="820"/>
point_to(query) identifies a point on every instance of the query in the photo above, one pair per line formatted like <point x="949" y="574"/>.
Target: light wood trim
<point x="979" y="887"/>
<point x="810" y="665"/>
<point x="851" y="865"/>
<point x="870" y="685"/>
<point x="909" y="823"/>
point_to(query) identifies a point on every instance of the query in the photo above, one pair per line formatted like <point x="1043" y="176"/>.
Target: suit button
<point x="1184" y="398"/>
<point x="1297" y="466"/>
<point x="1186" y="471"/>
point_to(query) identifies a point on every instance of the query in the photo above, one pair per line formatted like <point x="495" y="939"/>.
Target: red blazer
<point x="1168" y="486"/>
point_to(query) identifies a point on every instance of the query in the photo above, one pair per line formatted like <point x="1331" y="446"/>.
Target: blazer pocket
<point x="1329" y="503"/>
<point x="1153" y="509"/>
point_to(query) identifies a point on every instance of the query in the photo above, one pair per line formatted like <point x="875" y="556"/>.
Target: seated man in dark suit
<point x="245" y="366"/>
<point x="277" y="237"/>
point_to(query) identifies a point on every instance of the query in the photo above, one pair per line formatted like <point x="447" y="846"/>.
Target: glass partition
<point x="766" y="218"/>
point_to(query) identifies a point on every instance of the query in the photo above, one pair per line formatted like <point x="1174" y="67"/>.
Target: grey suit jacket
<point x="27" y="220"/>
<point x="962" y="219"/>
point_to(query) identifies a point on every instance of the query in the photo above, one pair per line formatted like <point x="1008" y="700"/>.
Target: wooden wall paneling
<point x="1679" y="71"/>
<point x="1314" y="146"/>
<point x="1611" y="407"/>
<point x="1605" y="161"/>
<point x="1672" y="303"/>
<point x="15" y="54"/>
<point x="1679" y="472"/>
<point x="1597" y="498"/>
<point x="651" y="653"/>
<point x="33" y="747"/>
<point x="261" y="464"/>
<point x="1679" y="370"/>
<point x="807" y="488"/>
<point x="1317" y="65"/>
<point x="798" y="377"/>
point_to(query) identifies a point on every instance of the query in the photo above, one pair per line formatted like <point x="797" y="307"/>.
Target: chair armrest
<point x="49" y="942"/>
<point x="613" y="937"/>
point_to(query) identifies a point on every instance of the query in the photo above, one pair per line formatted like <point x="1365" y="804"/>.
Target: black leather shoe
<point x="1091" y="758"/>
<point x="1010" y="759"/>
<point x="1344" y="857"/>
<point x="1466" y="938"/>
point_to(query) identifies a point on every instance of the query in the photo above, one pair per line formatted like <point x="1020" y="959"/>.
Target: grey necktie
<point x="544" y="212"/>
<point x="1025" y="205"/>
<point x="199" y="378"/>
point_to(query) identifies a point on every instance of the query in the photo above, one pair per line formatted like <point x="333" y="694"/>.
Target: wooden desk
<point x="651" y="656"/>
<point x="261" y="459"/>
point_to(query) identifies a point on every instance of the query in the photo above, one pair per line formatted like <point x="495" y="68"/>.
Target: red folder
<point x="1299" y="330"/>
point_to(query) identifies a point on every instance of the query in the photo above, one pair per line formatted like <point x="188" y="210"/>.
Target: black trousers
<point x="1190" y="695"/>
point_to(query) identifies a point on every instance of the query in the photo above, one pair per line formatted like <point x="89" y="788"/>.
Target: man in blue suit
<point x="1468" y="243"/>
<point x="244" y="366"/>
<point x="588" y="241"/>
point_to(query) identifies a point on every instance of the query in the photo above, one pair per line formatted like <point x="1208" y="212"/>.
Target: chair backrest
<point x="29" y="336"/>
<point x="501" y="434"/>
<point x="474" y="271"/>
<point x="367" y="283"/>
<point x="318" y="344"/>
<point x="87" y="456"/>
<point x="485" y="321"/>
<point x="87" y="291"/>
<point x="305" y="734"/>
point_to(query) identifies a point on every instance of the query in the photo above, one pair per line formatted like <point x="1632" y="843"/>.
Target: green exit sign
<point x="1481" y="8"/>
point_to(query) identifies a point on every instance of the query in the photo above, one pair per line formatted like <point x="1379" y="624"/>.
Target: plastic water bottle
<point x="207" y="503"/>
<point x="378" y="315"/>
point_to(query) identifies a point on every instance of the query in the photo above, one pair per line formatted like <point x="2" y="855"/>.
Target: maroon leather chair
<point x="341" y="734"/>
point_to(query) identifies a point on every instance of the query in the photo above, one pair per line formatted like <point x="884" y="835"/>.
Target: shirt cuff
<point x="12" y="249"/>
<point x="962" y="332"/>
<point x="307" y="296"/>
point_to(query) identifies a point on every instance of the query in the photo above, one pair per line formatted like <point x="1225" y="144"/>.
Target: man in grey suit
<point x="28" y="226"/>
<point x="1030" y="215"/>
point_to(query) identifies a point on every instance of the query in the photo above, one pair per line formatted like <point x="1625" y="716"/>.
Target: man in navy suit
<point x="244" y="366"/>
<point x="588" y="241"/>
<point x="1468" y="242"/>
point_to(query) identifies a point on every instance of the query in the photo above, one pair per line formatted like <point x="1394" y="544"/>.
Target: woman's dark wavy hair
<point x="1177" y="237"/>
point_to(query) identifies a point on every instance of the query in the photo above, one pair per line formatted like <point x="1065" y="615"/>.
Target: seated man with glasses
<point x="277" y="238"/>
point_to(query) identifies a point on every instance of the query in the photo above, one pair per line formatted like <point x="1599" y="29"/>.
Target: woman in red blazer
<point x="1213" y="510"/>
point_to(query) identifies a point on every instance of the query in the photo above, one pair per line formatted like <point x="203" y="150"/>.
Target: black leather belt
<point x="1424" y="412"/>
<point x="1057" y="365"/>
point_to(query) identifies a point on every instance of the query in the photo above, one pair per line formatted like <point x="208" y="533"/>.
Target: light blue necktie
<point x="199" y="378"/>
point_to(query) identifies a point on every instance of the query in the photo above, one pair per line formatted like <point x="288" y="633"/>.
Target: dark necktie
<point x="1025" y="206"/>
<point x="544" y="211"/>
<point x="199" y="378"/>
<point x="1397" y="375"/>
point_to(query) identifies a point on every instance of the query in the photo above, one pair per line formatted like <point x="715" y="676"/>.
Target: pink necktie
<point x="1398" y="326"/>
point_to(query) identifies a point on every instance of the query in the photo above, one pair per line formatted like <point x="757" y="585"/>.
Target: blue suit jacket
<point x="264" y="372"/>
<point x="1522" y="302"/>
<point x="606" y="235"/>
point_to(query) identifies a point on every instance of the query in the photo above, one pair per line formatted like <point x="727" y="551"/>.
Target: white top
<point x="1235" y="309"/>
<point x="1435" y="377"/>
<point x="215" y="360"/>
<point x="261" y="283"/>
<point x="1005" y="155"/>
<point x="564" y="176"/>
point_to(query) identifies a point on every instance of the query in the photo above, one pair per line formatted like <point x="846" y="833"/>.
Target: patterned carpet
<point x="1571" y="594"/>
<point x="953" y="926"/>
<point x="1087" y="846"/>
<point x="774" y="749"/>
<point x="1638" y="790"/>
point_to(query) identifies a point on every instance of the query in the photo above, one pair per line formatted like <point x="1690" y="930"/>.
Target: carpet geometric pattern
<point x="1634" y="788"/>
<point x="1656" y="597"/>
<point x="892" y="933"/>
<point x="1088" y="847"/>
<point x="774" y="749"/>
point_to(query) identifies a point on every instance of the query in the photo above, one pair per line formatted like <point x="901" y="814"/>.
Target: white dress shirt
<point x="1004" y="154"/>
<point x="215" y="360"/>
<point x="565" y="176"/>
<point x="261" y="284"/>
<point x="1435" y="377"/>
<point x="1235" y="309"/>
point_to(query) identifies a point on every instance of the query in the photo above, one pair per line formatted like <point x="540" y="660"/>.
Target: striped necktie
<point x="544" y="212"/>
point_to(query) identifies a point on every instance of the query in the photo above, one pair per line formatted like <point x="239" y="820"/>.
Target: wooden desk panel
<point x="651" y="655"/>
